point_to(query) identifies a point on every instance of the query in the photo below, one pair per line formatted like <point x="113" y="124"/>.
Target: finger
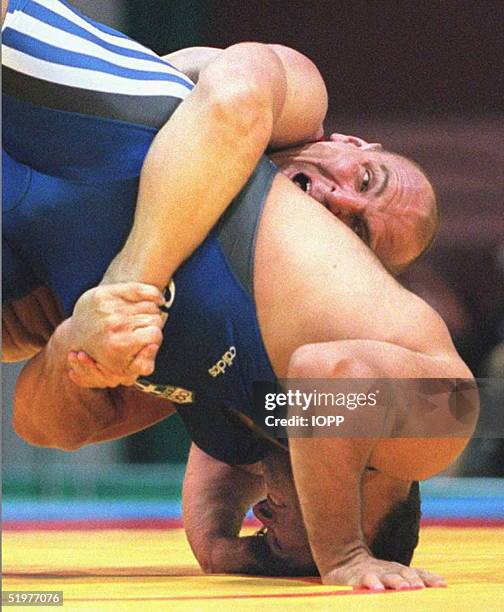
<point x="372" y="582"/>
<point x="144" y="362"/>
<point x="412" y="577"/>
<point x="72" y="358"/>
<point x="84" y="378"/>
<point x="91" y="374"/>
<point x="137" y="292"/>
<point x="394" y="581"/>
<point x="85" y="360"/>
<point x="143" y="307"/>
<point x="146" y="320"/>
<point x="87" y="366"/>
<point x="109" y="379"/>
<point x="147" y="335"/>
<point x="432" y="580"/>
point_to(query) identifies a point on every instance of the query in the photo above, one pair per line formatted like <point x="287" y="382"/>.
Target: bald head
<point x="422" y="210"/>
<point x="386" y="199"/>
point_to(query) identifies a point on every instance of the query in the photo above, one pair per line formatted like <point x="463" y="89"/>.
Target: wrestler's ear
<point x="355" y="140"/>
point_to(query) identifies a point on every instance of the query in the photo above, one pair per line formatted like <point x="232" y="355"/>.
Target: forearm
<point x="244" y="100"/>
<point x="216" y="498"/>
<point x="134" y="411"/>
<point x="27" y="324"/>
<point x="50" y="410"/>
<point x="328" y="473"/>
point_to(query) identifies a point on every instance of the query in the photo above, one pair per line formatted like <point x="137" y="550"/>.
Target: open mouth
<point x="302" y="181"/>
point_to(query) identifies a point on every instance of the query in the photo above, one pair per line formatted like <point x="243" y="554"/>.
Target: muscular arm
<point x="344" y="556"/>
<point x="305" y="102"/>
<point x="216" y="497"/>
<point x="356" y="321"/>
<point x="50" y="410"/>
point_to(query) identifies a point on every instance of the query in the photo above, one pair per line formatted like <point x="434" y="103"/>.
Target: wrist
<point x="353" y="553"/>
<point x="135" y="264"/>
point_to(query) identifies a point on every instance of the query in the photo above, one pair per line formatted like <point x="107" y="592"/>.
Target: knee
<point x="242" y="87"/>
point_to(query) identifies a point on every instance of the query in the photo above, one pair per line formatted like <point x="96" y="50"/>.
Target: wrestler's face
<point x="283" y="523"/>
<point x="384" y="198"/>
<point x="280" y="514"/>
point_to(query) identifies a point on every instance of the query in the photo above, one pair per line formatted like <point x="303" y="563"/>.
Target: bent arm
<point x="50" y="410"/>
<point x="216" y="497"/>
<point x="305" y="103"/>
<point x="356" y="322"/>
<point x="406" y="458"/>
<point x="248" y="97"/>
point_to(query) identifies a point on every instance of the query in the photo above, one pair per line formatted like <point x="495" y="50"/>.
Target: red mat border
<point x="177" y="523"/>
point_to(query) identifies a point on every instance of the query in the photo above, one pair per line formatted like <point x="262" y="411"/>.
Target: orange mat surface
<point x="155" y="570"/>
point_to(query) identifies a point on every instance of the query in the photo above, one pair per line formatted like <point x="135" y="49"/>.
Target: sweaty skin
<point x="249" y="96"/>
<point x="326" y="307"/>
<point x="357" y="306"/>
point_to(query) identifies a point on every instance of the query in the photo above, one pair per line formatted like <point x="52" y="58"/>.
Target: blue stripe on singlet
<point x="61" y="23"/>
<point x="57" y="55"/>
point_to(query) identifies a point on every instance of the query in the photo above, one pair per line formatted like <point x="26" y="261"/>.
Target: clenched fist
<point x="115" y="334"/>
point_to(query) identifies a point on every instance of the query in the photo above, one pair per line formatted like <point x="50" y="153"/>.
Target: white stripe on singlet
<point x="89" y="79"/>
<point x="136" y="76"/>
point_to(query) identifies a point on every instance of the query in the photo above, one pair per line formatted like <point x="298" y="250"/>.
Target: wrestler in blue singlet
<point x="81" y="106"/>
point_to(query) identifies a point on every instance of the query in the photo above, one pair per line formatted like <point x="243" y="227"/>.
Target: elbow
<point x="203" y="554"/>
<point x="218" y="555"/>
<point x="36" y="438"/>
<point x="243" y="89"/>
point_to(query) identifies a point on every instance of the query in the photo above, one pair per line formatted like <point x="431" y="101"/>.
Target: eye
<point x="366" y="179"/>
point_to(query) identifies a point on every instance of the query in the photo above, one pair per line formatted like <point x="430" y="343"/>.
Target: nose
<point x="342" y="203"/>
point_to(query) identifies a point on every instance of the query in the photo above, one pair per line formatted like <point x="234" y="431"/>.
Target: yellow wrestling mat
<point x="113" y="569"/>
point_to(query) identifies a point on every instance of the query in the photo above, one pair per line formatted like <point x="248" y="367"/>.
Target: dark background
<point x="392" y="57"/>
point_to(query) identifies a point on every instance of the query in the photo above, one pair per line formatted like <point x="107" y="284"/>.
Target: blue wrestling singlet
<point x="81" y="102"/>
<point x="80" y="112"/>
